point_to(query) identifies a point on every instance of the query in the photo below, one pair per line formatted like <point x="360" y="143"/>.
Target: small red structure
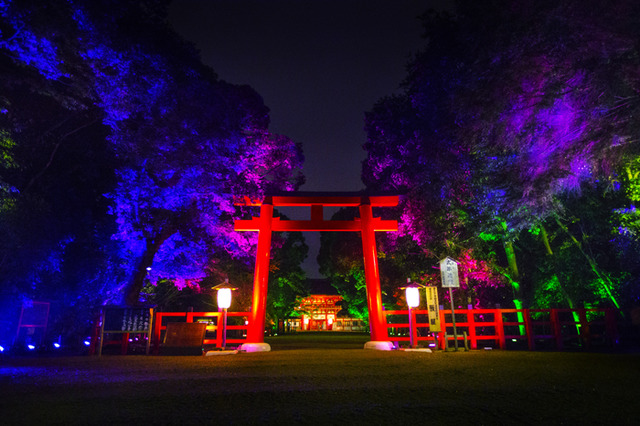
<point x="319" y="311"/>
<point x="366" y="224"/>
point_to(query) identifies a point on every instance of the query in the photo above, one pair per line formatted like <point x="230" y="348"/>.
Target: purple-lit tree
<point x="545" y="114"/>
<point x="510" y="109"/>
<point x="191" y="143"/>
<point x="413" y="150"/>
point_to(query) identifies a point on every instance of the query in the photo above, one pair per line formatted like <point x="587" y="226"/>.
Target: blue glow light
<point x="1" y="348"/>
<point x="31" y="347"/>
<point x="87" y="342"/>
<point x="56" y="345"/>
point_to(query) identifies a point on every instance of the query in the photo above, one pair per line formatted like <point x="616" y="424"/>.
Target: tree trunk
<point x="514" y="274"/>
<point x="547" y="245"/>
<point x="604" y="280"/>
<point x="514" y="278"/>
<point x="135" y="285"/>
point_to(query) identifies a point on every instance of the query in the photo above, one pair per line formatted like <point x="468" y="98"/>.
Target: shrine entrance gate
<point x="366" y="224"/>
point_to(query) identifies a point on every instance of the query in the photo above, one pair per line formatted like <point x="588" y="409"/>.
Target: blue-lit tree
<point x="106" y="90"/>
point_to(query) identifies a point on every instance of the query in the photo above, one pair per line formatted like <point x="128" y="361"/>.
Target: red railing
<point x="539" y="328"/>
<point x="213" y="321"/>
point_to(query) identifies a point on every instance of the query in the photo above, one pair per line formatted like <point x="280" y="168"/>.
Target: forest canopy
<point x="515" y="144"/>
<point x="120" y="157"/>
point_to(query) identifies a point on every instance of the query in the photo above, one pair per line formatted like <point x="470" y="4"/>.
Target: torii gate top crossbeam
<point x="301" y="199"/>
<point x="317" y="222"/>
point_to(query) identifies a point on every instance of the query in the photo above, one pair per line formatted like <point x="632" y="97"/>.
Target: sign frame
<point x="449" y="273"/>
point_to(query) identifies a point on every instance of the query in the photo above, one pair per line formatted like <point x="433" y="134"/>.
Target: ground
<point x="324" y="379"/>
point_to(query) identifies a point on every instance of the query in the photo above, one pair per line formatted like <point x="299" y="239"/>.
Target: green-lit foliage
<point x="628" y="217"/>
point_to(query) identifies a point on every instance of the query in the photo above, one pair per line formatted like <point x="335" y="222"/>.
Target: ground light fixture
<point x="413" y="301"/>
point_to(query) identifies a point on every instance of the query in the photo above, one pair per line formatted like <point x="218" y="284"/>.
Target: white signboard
<point x="449" y="273"/>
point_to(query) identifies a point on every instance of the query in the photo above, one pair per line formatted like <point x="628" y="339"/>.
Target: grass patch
<point x="323" y="379"/>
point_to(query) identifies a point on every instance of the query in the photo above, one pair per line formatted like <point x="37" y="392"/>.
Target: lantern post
<point x="413" y="301"/>
<point x="224" y="301"/>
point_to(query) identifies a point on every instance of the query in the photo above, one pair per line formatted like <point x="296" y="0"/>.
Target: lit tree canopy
<point x="180" y="142"/>
<point x="510" y="108"/>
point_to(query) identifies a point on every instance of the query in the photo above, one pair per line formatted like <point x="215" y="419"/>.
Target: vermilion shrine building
<point x="323" y="311"/>
<point x="319" y="312"/>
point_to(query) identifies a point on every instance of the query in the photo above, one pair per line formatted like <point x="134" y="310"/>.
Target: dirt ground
<point x="315" y="379"/>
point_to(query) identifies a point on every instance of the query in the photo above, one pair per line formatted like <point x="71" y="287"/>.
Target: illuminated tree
<point x="509" y="110"/>
<point x="545" y="115"/>
<point x="54" y="232"/>
<point x="174" y="144"/>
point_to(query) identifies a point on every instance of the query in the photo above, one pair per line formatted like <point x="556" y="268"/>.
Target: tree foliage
<point x="512" y="113"/>
<point x="121" y="153"/>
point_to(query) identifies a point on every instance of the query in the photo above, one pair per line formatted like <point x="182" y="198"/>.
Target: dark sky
<point x="318" y="64"/>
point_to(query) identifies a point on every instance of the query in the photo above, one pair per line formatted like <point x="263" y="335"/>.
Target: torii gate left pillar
<point x="366" y="224"/>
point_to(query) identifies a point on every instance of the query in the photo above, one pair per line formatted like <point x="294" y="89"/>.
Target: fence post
<point x="471" y="320"/>
<point x="500" y="328"/>
<point x="157" y="327"/>
<point x="557" y="329"/>
<point x="529" y="330"/>
<point x="442" y="339"/>
<point x="585" y="333"/>
<point x="611" y="327"/>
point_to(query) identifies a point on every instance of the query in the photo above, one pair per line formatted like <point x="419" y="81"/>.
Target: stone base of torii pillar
<point x="255" y="347"/>
<point x="379" y="345"/>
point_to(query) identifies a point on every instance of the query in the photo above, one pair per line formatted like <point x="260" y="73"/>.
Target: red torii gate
<point x="366" y="224"/>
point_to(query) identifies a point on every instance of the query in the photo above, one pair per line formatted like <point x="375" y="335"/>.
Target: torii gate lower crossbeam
<point x="366" y="224"/>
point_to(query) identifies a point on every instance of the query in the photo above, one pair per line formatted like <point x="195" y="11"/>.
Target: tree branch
<point x="55" y="149"/>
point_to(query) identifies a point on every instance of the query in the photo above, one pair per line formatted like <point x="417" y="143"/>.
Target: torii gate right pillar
<point x="377" y="320"/>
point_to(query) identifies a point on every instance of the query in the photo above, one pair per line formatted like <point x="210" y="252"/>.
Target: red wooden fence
<point x="213" y="320"/>
<point x="500" y="327"/>
<point x="495" y="328"/>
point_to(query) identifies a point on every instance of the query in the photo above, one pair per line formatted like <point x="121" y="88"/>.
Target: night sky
<point x="319" y="65"/>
